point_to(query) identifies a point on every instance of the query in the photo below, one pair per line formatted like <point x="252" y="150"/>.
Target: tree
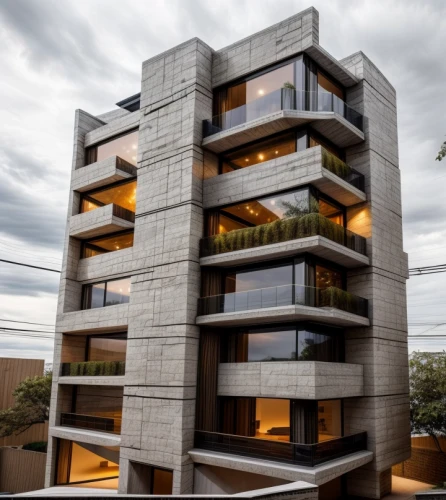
<point x="442" y="152"/>
<point x="428" y="394"/>
<point x="32" y="405"/>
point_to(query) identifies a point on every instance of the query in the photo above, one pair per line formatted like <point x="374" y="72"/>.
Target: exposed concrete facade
<point x="177" y="179"/>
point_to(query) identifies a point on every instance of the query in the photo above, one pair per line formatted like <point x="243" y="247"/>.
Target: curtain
<point x="206" y="419"/>
<point x="304" y="422"/>
<point x="63" y="461"/>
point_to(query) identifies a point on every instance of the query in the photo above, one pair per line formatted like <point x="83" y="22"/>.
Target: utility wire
<point x="29" y="265"/>
<point x="25" y="322"/>
<point x="23" y="330"/>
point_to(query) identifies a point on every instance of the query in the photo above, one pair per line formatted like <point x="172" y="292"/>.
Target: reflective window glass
<point x="331" y="211"/>
<point x="260" y="152"/>
<point x="118" y="292"/>
<point x="259" y="278"/>
<point x="326" y="277"/>
<point x="314" y="346"/>
<point x="273" y="419"/>
<point x="123" y="195"/>
<point x="271" y="345"/>
<point x="329" y="420"/>
<point x="107" y="349"/>
<point x="126" y="147"/>
<point x="97" y="295"/>
<point x="105" y="245"/>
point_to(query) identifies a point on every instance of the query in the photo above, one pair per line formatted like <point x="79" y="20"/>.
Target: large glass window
<point x="260" y="152"/>
<point x="122" y="194"/>
<point x="329" y="419"/>
<point x="261" y="211"/>
<point x="125" y="146"/>
<point x="99" y="246"/>
<point x="87" y="465"/>
<point x="304" y="342"/>
<point x="111" y="347"/>
<point x="107" y="294"/>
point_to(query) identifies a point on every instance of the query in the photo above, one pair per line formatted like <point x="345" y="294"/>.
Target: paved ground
<point x="404" y="489"/>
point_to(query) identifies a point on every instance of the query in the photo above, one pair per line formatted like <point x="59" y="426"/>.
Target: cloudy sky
<point x="61" y="55"/>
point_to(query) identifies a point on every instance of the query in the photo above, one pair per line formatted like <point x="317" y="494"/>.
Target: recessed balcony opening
<point x="121" y="194"/>
<point x="96" y="408"/>
<point x="111" y="243"/>
<point x="94" y="355"/>
<point x="124" y="145"/>
<point x="286" y="143"/>
<point x="107" y="293"/>
<point x="296" y="85"/>
<point x="146" y="479"/>
<point x="288" y="342"/>
<point x="84" y="465"/>
<point x="304" y="280"/>
<point x="302" y="432"/>
<point x="286" y="216"/>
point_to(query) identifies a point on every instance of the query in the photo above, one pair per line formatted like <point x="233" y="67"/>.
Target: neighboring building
<point x="12" y="372"/>
<point x="232" y="308"/>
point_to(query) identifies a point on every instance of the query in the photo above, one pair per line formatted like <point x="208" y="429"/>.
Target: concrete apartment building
<point x="232" y="308"/>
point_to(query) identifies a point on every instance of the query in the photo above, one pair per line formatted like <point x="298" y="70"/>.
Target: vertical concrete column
<point x="382" y="348"/>
<point x="160" y="384"/>
<point x="69" y="289"/>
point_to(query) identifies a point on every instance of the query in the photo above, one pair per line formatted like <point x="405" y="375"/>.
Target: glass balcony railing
<point x="284" y="295"/>
<point x="308" y="455"/>
<point x="281" y="230"/>
<point x="94" y="423"/>
<point x="279" y="100"/>
<point x="93" y="369"/>
<point x="333" y="164"/>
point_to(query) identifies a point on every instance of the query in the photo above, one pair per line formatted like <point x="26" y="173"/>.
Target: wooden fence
<point x="21" y="470"/>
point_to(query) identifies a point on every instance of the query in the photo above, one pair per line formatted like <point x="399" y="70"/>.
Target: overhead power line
<point x="29" y="265"/>
<point x="24" y="322"/>
<point x="419" y="271"/>
<point x="24" y="330"/>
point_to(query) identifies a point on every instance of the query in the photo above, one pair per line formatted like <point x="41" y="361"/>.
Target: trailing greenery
<point x="427" y="383"/>
<point x="94" y="368"/>
<point x="31" y="405"/>
<point x="40" y="446"/>
<point x="335" y="165"/>
<point x="281" y="230"/>
<point x="340" y="299"/>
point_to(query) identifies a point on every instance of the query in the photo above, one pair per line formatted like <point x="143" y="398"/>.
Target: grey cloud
<point x="27" y="282"/>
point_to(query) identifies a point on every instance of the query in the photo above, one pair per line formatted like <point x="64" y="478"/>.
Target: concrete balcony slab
<point x="102" y="319"/>
<point x="287" y="172"/>
<point x="315" y="475"/>
<point x="101" y="221"/>
<point x="313" y="380"/>
<point x="331" y="125"/>
<point x="326" y="315"/>
<point x="86" y="380"/>
<point x="102" y="173"/>
<point x="317" y="245"/>
<point x="85" y="436"/>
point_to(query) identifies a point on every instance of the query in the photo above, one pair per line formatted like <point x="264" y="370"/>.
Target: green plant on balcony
<point x="97" y="368"/>
<point x="281" y="230"/>
<point x="340" y="299"/>
<point x="335" y="165"/>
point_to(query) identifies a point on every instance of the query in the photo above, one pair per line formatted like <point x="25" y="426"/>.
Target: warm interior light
<point x="134" y="158"/>
<point x="251" y="211"/>
<point x="117" y="247"/>
<point x="277" y="152"/>
<point x="246" y="159"/>
<point x="261" y="91"/>
<point x="273" y="202"/>
<point x="133" y="146"/>
<point x="261" y="157"/>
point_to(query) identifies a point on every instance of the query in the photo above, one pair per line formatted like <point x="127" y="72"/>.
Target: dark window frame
<point x="85" y="287"/>
<point x="91" y="152"/>
<point x="87" y="243"/>
<point x="119" y="335"/>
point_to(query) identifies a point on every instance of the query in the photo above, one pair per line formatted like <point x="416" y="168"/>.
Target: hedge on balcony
<point x="345" y="301"/>
<point x="275" y="232"/>
<point x="335" y="165"/>
<point x="94" y="368"/>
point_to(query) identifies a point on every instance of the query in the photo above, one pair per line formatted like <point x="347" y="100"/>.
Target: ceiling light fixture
<point x="261" y="92"/>
<point x="261" y="157"/>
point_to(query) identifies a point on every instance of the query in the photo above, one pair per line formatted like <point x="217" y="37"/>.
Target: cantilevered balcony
<point x="101" y="221"/>
<point x="102" y="173"/>
<point x="281" y="110"/>
<point x="309" y="455"/>
<point x="311" y="232"/>
<point x="284" y="303"/>
<point x="93" y="423"/>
